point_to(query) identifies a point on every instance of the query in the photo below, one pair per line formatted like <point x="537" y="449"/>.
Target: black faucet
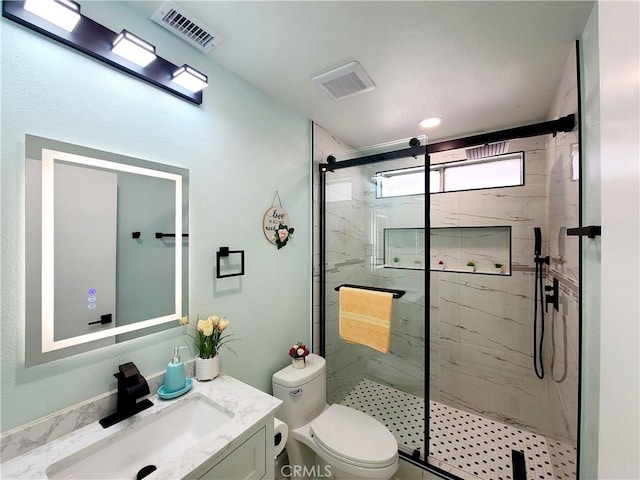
<point x="131" y="387"/>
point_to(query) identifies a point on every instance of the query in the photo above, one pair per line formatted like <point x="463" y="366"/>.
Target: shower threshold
<point x="467" y="445"/>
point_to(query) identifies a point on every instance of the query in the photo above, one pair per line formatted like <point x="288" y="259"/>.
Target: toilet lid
<point x="354" y="437"/>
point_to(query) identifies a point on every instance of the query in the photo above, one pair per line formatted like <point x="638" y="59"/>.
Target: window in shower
<point x="340" y="191"/>
<point x="404" y="181"/>
<point x="490" y="172"/>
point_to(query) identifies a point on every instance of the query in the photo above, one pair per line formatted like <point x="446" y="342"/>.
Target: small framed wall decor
<point x="276" y="224"/>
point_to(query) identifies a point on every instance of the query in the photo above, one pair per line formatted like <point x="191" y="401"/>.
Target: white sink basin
<point x="154" y="440"/>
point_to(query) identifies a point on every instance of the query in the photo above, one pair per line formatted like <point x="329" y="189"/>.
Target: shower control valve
<point x="554" y="297"/>
<point x="542" y="260"/>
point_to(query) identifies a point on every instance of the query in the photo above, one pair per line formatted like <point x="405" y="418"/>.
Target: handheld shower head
<point x="537" y="250"/>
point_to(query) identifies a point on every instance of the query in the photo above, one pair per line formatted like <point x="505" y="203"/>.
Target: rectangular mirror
<point x="106" y="248"/>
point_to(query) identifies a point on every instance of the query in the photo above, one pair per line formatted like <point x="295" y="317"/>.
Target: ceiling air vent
<point x="345" y="81"/>
<point x="185" y="26"/>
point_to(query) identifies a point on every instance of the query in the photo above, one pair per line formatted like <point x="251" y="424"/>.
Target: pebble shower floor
<point x="475" y="447"/>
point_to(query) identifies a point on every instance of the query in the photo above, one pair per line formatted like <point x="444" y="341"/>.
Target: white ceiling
<point x="481" y="66"/>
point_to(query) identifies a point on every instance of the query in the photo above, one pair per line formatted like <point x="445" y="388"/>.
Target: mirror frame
<point x="47" y="151"/>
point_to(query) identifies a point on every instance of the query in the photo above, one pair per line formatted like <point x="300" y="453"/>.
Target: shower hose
<point x="538" y="364"/>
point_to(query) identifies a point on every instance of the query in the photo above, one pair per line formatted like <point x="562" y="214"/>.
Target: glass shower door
<point x="375" y="237"/>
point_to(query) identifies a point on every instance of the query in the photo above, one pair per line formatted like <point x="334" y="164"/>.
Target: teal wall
<point x="240" y="147"/>
<point x="591" y="215"/>
<point x="619" y="139"/>
<point x="610" y="435"/>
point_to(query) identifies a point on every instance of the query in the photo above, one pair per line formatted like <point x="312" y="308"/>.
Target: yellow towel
<point x="365" y="317"/>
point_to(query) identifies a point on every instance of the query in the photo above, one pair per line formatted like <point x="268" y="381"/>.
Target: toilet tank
<point x="303" y="391"/>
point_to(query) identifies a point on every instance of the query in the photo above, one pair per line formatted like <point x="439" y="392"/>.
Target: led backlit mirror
<point x="106" y="248"/>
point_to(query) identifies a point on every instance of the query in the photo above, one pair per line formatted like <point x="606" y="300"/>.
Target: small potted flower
<point x="396" y="261"/>
<point x="497" y="267"/>
<point x="441" y="264"/>
<point x="471" y="266"/>
<point x="299" y="353"/>
<point x="208" y="341"/>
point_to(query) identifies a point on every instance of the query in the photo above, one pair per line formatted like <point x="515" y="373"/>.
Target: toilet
<point x="329" y="441"/>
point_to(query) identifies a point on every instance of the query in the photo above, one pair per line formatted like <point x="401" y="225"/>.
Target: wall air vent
<point x="345" y="81"/>
<point x="185" y="26"/>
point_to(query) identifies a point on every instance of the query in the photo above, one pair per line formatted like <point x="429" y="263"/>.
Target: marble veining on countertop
<point x="249" y="406"/>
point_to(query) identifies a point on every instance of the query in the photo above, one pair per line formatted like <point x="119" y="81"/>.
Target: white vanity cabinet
<point x="246" y="462"/>
<point x="248" y="457"/>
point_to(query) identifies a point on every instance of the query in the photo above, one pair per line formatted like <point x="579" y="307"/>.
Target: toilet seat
<point x="353" y="437"/>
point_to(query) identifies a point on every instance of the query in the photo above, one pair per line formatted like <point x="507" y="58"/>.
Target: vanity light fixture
<point x="63" y="13"/>
<point x="134" y="49"/>
<point x="190" y="78"/>
<point x="430" y="122"/>
<point x="123" y="51"/>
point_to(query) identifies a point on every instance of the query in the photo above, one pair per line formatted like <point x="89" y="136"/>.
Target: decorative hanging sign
<point x="276" y="224"/>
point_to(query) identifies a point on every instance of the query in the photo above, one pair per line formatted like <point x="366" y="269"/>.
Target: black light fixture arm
<point x="95" y="40"/>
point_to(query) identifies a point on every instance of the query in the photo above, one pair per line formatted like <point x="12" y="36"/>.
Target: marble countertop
<point x="249" y="405"/>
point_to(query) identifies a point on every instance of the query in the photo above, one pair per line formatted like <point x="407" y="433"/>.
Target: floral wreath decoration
<point x="282" y="235"/>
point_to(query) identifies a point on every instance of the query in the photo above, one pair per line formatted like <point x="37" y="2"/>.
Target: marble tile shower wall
<point x="481" y="325"/>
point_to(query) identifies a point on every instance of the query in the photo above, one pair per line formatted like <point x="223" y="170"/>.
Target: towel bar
<point x="396" y="293"/>
<point x="171" y="235"/>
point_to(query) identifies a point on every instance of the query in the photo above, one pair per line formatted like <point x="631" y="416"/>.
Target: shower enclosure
<point x="466" y="402"/>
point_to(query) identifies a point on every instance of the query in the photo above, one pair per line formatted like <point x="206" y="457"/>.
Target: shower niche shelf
<point x="404" y="248"/>
<point x="483" y="245"/>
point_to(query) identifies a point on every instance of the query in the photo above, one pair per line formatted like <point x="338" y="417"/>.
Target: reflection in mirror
<point x="91" y="281"/>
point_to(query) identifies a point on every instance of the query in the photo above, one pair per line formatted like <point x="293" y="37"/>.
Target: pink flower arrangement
<point x="299" y="350"/>
<point x="282" y="235"/>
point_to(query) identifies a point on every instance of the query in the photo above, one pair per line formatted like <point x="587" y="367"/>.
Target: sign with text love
<point x="272" y="219"/>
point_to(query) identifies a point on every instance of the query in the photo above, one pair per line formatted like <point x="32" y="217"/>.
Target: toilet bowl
<point x="330" y="441"/>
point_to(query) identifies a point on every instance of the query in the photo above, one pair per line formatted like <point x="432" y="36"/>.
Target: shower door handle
<point x="592" y="231"/>
<point x="296" y="392"/>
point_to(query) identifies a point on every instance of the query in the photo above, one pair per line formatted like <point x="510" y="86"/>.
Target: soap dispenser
<point x="175" y="379"/>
